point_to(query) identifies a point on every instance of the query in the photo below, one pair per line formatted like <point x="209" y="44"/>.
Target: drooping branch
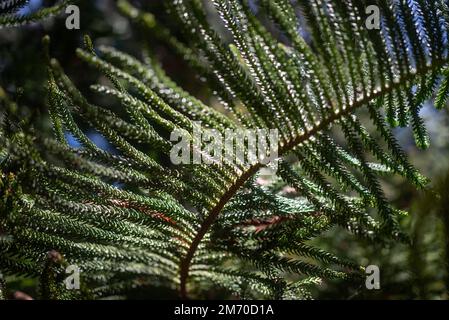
<point x="284" y="149"/>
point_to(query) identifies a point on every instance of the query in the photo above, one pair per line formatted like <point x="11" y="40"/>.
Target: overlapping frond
<point x="130" y="218"/>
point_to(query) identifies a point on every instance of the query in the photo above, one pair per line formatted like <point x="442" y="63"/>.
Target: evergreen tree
<point x="128" y="218"/>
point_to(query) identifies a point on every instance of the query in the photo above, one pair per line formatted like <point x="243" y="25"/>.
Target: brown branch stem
<point x="334" y="117"/>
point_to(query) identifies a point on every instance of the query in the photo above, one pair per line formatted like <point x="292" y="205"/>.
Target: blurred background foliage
<point x="416" y="271"/>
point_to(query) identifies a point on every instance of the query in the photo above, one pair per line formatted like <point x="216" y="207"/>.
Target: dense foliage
<point x="130" y="219"/>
